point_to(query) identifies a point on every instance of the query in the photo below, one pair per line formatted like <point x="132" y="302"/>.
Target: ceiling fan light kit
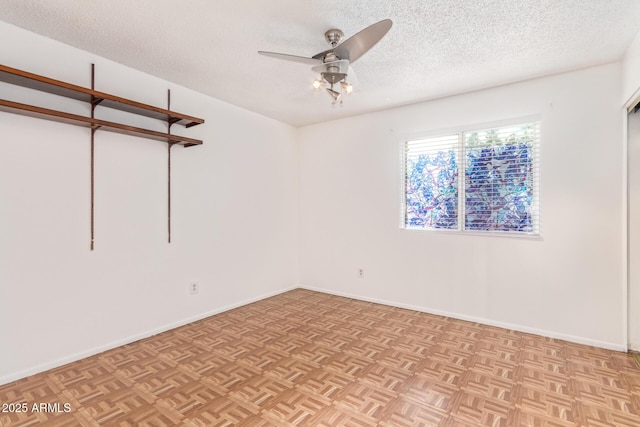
<point x="334" y="65"/>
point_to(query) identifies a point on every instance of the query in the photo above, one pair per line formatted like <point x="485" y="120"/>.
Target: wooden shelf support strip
<point x="93" y="146"/>
<point x="169" y="123"/>
<point x="169" y="191"/>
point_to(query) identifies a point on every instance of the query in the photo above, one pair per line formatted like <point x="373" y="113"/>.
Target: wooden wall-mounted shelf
<point x="73" y="119"/>
<point x="68" y="90"/>
<point x="95" y="98"/>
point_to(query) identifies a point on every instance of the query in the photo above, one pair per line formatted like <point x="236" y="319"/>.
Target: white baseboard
<point x="128" y="340"/>
<point x="96" y="350"/>
<point x="484" y="321"/>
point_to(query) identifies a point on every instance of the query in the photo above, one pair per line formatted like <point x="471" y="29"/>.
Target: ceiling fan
<point x="334" y="64"/>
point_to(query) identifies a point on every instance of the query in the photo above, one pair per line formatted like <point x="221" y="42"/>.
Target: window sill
<point x="501" y="234"/>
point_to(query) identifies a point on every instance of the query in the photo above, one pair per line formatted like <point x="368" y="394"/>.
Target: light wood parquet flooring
<point x="305" y="358"/>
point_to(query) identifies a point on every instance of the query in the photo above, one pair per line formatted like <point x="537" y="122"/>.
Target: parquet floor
<point x="309" y="359"/>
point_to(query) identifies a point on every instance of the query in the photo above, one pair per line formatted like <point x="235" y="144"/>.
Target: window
<point x="477" y="180"/>
<point x="431" y="182"/>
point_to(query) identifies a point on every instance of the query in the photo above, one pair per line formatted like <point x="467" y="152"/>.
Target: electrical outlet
<point x="194" y="288"/>
<point x="360" y="273"/>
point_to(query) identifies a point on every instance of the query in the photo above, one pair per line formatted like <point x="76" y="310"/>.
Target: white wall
<point x="234" y="214"/>
<point x="569" y="284"/>
<point x="631" y="71"/>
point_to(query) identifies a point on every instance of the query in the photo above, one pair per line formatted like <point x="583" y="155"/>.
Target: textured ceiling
<point x="435" y="48"/>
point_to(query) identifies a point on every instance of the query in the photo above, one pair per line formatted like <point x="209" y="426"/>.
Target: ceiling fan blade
<point x="293" y="58"/>
<point x="357" y="45"/>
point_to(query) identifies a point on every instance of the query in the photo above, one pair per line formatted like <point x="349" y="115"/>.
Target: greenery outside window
<point x="480" y="180"/>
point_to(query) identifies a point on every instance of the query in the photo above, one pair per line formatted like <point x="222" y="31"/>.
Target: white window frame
<point x="461" y="158"/>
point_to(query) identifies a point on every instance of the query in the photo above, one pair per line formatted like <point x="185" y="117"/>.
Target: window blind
<point x="431" y="182"/>
<point x="480" y="180"/>
<point x="501" y="179"/>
